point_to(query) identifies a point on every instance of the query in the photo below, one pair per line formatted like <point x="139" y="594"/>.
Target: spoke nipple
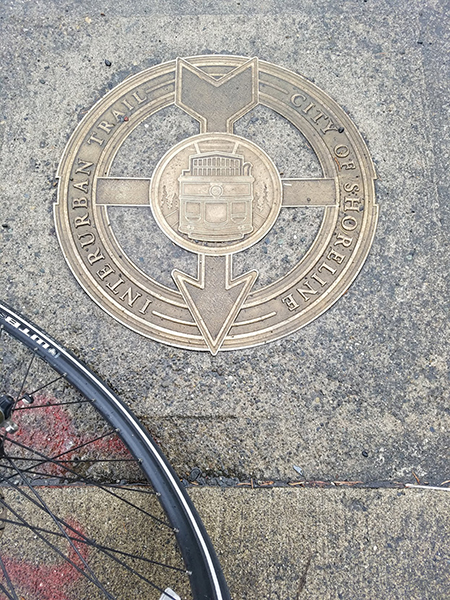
<point x="27" y="399"/>
<point x="140" y="461"/>
<point x="189" y="573"/>
<point x="93" y="400"/>
<point x="176" y="530"/>
<point x="158" y="494"/>
<point x="11" y="427"/>
<point x="117" y="430"/>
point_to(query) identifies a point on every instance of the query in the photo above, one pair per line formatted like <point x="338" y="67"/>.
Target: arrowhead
<point x="217" y="103"/>
<point x="214" y="298"/>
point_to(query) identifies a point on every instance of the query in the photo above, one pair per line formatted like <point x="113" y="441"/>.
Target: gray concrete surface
<point x="362" y="393"/>
<point x="331" y="544"/>
<point x="285" y="544"/>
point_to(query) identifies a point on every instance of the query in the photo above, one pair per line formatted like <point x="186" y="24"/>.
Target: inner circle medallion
<point x="215" y="194"/>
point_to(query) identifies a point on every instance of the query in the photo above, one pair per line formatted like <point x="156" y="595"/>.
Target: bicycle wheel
<point x="89" y="505"/>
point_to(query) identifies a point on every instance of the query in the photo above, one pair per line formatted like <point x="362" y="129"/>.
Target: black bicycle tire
<point x="205" y="573"/>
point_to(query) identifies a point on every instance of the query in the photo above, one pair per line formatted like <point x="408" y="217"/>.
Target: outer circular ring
<point x="268" y="313"/>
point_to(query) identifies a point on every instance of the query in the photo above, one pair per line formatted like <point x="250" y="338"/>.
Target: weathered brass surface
<point x="215" y="194"/>
<point x="218" y="189"/>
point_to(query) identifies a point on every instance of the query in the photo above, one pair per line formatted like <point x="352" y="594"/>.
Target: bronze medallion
<point x="215" y="194"/>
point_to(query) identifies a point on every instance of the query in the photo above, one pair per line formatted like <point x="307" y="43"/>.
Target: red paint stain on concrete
<point x="56" y="581"/>
<point x="51" y="431"/>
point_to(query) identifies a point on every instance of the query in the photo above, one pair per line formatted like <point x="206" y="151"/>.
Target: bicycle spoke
<point x="83" y="539"/>
<point x="45" y="476"/>
<point x="55" y="404"/>
<point x="46" y="541"/>
<point x="55" y="519"/>
<point x="45" y="385"/>
<point x="94" y="544"/>
<point x="53" y="459"/>
<point x="128" y="488"/>
<point x="25" y="378"/>
<point x="5" y="591"/>
<point x="8" y="581"/>
<point x="77" y="460"/>
<point x="91" y="482"/>
<point x="84" y="444"/>
<point x="73" y="480"/>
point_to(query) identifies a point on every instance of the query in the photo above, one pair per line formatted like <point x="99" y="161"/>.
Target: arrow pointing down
<point x="214" y="298"/>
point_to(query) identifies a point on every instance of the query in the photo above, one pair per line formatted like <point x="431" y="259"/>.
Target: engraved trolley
<point x="216" y="195"/>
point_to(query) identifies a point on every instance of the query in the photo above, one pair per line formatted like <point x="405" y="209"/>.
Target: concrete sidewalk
<point x="287" y="544"/>
<point x="362" y="393"/>
<point x="330" y="544"/>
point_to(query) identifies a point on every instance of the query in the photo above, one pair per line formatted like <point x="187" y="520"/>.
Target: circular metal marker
<point x="215" y="194"/>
